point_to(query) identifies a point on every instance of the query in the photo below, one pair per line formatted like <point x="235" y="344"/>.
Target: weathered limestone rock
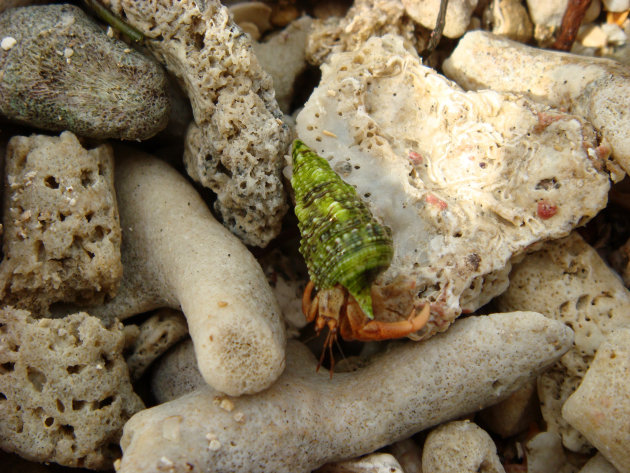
<point x="458" y="14"/>
<point x="465" y="180"/>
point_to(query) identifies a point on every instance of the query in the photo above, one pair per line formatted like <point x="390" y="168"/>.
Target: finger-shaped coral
<point x="237" y="143"/>
<point x="306" y="419"/>
<point x="465" y="180"/>
<point x="63" y="237"/>
<point x="176" y="254"/>
<point x="65" y="73"/>
<point x="460" y="446"/>
<point x="65" y="391"/>
<point x="597" y="89"/>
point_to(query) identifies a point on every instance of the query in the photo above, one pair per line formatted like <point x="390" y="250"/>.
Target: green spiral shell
<point x="341" y="241"/>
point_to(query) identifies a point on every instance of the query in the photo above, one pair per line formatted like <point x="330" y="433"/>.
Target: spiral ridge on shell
<point x="342" y="243"/>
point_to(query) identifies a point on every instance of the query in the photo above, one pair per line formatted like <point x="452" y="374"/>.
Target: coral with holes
<point x="157" y="334"/>
<point x="568" y="281"/>
<point x="465" y="180"/>
<point x="365" y="19"/>
<point x="237" y="141"/>
<point x="62" y="234"/>
<point x="65" y="392"/>
<point x="65" y="73"/>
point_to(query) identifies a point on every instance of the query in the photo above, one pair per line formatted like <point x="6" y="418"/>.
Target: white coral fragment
<point x="594" y="88"/>
<point x="176" y="254"/>
<point x="465" y="180"/>
<point x="306" y="419"/>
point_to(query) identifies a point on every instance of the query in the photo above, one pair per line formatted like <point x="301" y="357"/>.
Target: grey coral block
<point x="62" y="72"/>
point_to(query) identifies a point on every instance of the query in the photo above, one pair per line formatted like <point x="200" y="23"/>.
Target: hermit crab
<point x="345" y="249"/>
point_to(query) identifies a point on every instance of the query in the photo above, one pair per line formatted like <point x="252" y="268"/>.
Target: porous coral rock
<point x="568" y="281"/>
<point x="600" y="408"/>
<point x="306" y="419"/>
<point x="365" y="19"/>
<point x="458" y="14"/>
<point x="465" y="180"/>
<point x="594" y="88"/>
<point x="63" y="237"/>
<point x="65" y="73"/>
<point x="236" y="144"/>
<point x="283" y="56"/>
<point x="175" y="254"/>
<point x="460" y="446"/>
<point x="156" y="335"/>
<point x="65" y="392"/>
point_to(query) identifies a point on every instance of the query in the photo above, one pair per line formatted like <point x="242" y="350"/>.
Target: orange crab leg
<point x="309" y="307"/>
<point x="378" y="330"/>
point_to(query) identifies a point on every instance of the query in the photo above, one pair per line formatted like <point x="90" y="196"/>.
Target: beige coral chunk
<point x="545" y="454"/>
<point x="568" y="281"/>
<point x="157" y="334"/>
<point x="176" y="254"/>
<point x="306" y="419"/>
<point x="283" y="56"/>
<point x="65" y="392"/>
<point x="512" y="415"/>
<point x="463" y="179"/>
<point x="509" y="18"/>
<point x="460" y="446"/>
<point x="62" y="233"/>
<point x="458" y="14"/>
<point x="600" y="408"/>
<point x="237" y="141"/>
<point x="597" y="89"/>
<point x="365" y="19"/>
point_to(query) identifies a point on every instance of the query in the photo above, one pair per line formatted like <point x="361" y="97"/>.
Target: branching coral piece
<point x="237" y="142"/>
<point x="306" y="419"/>
<point x="176" y="254"/>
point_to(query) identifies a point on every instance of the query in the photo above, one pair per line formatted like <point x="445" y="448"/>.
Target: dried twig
<point x="573" y="16"/>
<point x="436" y="34"/>
<point x="108" y="17"/>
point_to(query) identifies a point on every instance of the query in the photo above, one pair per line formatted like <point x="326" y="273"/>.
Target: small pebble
<point x="8" y="42"/>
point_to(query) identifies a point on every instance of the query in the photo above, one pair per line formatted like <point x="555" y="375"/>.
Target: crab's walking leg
<point x="377" y="330"/>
